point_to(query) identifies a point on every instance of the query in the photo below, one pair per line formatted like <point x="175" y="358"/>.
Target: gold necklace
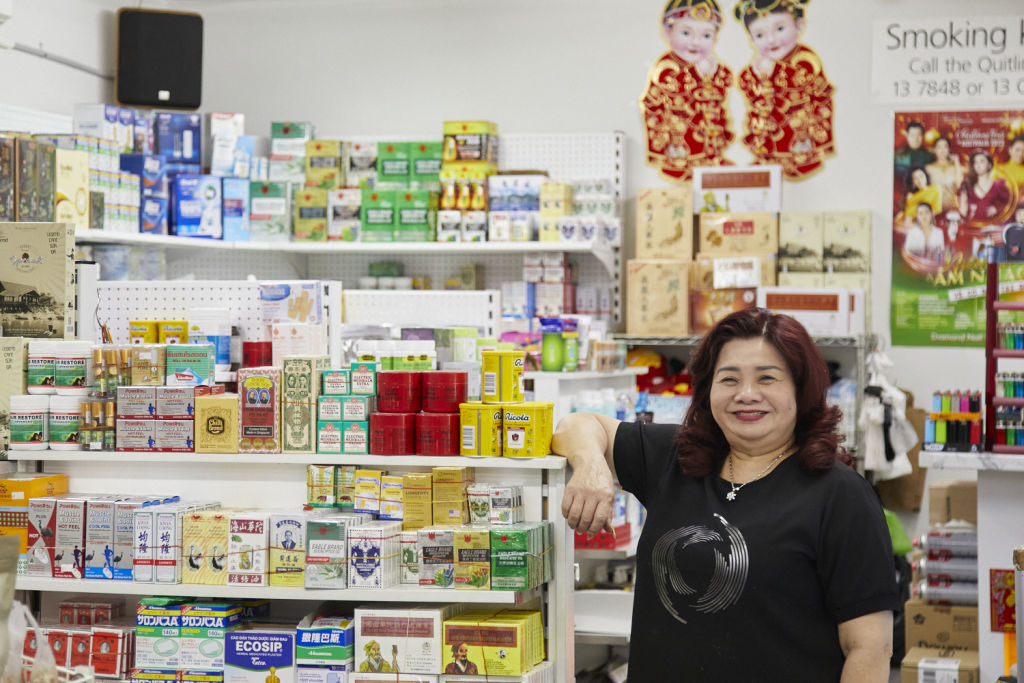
<point x="731" y="495"/>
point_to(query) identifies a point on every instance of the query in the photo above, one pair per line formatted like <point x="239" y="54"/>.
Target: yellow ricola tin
<point x="481" y="429"/>
<point x="526" y="431"/>
<point x="503" y="376"/>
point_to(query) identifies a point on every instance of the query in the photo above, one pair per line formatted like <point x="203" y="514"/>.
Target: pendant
<point x="731" y="495"/>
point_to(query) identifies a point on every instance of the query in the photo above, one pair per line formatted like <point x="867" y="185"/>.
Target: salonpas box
<point x="37" y="276"/>
<point x="259" y="653"/>
<point x="204" y="626"/>
<point x="158" y="633"/>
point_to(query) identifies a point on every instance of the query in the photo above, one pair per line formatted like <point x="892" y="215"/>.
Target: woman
<point x="764" y="557"/>
<point x="946" y="172"/>
<point x="983" y="198"/>
<point x="920" y="190"/>
<point x="924" y="238"/>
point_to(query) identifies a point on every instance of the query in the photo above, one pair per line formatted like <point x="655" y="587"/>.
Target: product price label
<point x="949" y="60"/>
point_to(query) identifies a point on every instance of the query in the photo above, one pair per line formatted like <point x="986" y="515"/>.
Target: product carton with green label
<point x="415" y="215"/>
<point x="269" y="212"/>
<point x="393" y="166"/>
<point x="425" y="163"/>
<point x="204" y="626"/>
<point x="378" y="215"/>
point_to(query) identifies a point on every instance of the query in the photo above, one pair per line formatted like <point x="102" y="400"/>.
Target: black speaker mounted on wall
<point x="159" y="58"/>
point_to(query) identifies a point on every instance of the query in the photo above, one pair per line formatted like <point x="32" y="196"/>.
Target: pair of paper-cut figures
<point x="790" y="109"/>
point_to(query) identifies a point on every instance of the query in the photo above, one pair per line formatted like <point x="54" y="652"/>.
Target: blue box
<point x="152" y="172"/>
<point x="177" y="168"/>
<point x="153" y="216"/>
<point x="236" y="209"/>
<point x="143" y="130"/>
<point x="195" y="209"/>
<point x="179" y="137"/>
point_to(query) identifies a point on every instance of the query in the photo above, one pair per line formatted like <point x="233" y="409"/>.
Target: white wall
<point x="80" y="30"/>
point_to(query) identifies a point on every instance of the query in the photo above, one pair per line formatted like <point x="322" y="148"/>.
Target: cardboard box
<point x="301" y="388"/>
<point x="13" y="360"/>
<point x="235" y="211"/>
<point x="343" y="220"/>
<point x="407" y="636"/>
<point x="269" y="212"/>
<point x="847" y="237"/>
<point x="251" y="652"/>
<point x="325" y="163"/>
<point x="216" y="423"/>
<point x="204" y="627"/>
<point x="378" y="216"/>
<point x="309" y="223"/>
<point x="738" y="233"/>
<point x="945" y="626"/>
<point x="664" y="224"/>
<point x="715" y="271"/>
<point x="287" y="549"/>
<point x="38" y="278"/>
<point x="949" y="500"/>
<point x="205" y="534"/>
<point x="801" y="242"/>
<point x="247" y="549"/>
<point x="195" y="209"/>
<point x="934" y="664"/>
<point x="657" y="297"/>
<point x="708" y="306"/>
<point x="824" y="312"/>
<point x="259" y="429"/>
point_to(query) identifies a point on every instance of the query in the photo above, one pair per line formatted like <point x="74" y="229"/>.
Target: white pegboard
<point x="122" y="301"/>
<point x="566" y="156"/>
<point x="428" y="308"/>
<point x="25" y="120"/>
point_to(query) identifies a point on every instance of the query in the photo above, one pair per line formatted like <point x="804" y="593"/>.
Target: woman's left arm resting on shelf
<point x="867" y="645"/>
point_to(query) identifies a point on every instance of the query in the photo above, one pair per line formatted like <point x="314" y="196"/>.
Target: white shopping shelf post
<point x="561" y="618"/>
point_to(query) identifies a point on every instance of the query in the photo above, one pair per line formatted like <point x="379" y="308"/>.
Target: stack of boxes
<point x="556" y="219"/>
<point x="343" y="411"/>
<point x="515" y="206"/>
<point x="155" y="193"/>
<point x="88" y="633"/>
<point x="175" y="638"/>
<point x="469" y="155"/>
<point x="401" y="205"/>
<point x="16" y="494"/>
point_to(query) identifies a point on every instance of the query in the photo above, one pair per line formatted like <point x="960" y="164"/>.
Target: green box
<point x="393" y="164"/>
<point x="378" y="215"/>
<point x="425" y="162"/>
<point x="270" y="219"/>
<point x="289" y="137"/>
<point x="415" y="215"/>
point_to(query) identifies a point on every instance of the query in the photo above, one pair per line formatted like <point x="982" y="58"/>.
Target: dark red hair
<point x="700" y="445"/>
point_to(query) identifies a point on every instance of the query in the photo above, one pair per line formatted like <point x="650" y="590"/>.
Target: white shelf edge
<point x="176" y="242"/>
<point x="550" y="462"/>
<point x="585" y="375"/>
<point x="971" y="461"/>
<point x="608" y="553"/>
<point x="395" y="594"/>
<point x="591" y="638"/>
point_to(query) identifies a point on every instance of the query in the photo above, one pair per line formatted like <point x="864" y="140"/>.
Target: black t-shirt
<point x="751" y="589"/>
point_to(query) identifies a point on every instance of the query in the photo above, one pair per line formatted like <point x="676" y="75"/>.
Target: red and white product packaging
<point x="69" y="538"/>
<point x="443" y="391"/>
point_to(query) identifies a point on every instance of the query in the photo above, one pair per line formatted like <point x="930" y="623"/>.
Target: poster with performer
<point x="958" y="180"/>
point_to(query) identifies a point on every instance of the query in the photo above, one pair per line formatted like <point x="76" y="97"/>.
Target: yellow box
<point x="555" y="200"/>
<point x="326" y="161"/>
<point x="72" y="182"/>
<point x="664" y="223"/>
<point x="172" y="331"/>
<point x="738" y="233"/>
<point x="367" y="490"/>
<point x="143" y="332"/>
<point x="450" y="512"/>
<point x="708" y="306"/>
<point x="803" y="280"/>
<point x="204" y="537"/>
<point x="216" y="428"/>
<point x="505" y="644"/>
<point x="473" y="557"/>
<point x="17" y="489"/>
<point x="470" y="141"/>
<point x="847" y="241"/>
<point x="391" y="497"/>
<point x="502" y="374"/>
<point x="481" y="429"/>
<point x="657" y="300"/>
<point x="310" y="219"/>
<point x="417" y="499"/>
<point x="549" y="230"/>
<point x="525" y="431"/>
<point x="149" y="363"/>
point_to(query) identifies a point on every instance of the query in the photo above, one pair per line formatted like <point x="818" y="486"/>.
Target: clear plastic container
<point x="73" y="374"/>
<point x="64" y="421"/>
<point x="29" y="422"/>
<point x="42" y="357"/>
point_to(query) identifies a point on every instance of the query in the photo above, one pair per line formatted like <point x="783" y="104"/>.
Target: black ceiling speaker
<point x="159" y="58"/>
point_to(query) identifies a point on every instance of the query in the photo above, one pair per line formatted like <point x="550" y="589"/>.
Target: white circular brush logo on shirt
<point x="729" y="573"/>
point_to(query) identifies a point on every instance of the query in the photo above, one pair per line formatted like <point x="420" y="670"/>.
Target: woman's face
<point x="942" y="150"/>
<point x="753" y="398"/>
<point x="1017" y="152"/>
<point x="924" y="214"/>
<point x="919" y="179"/>
<point x="775" y="35"/>
<point x="980" y="164"/>
<point x="691" y="39"/>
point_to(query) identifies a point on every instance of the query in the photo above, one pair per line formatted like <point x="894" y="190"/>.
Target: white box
<point x="392" y="629"/>
<point x="251" y="652"/>
<point x="99" y="539"/>
<point x="374" y="551"/>
<point x="248" y="541"/>
<point x="823" y="312"/>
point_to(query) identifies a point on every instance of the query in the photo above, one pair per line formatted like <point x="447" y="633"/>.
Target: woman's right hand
<point x="587" y="440"/>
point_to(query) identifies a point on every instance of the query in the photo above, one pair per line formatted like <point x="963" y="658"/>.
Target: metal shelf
<point x="395" y="594"/>
<point x="550" y="462"/>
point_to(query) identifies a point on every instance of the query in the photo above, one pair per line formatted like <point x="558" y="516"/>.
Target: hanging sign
<point x="948" y="61"/>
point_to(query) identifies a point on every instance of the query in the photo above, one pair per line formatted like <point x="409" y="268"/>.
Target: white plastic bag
<point x="13" y="643"/>
<point x="8" y="568"/>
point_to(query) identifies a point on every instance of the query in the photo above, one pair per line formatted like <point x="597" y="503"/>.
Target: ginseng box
<point x="664" y="223"/>
<point x="657" y="297"/>
<point x="801" y="242"/>
<point x="738" y="233"/>
<point x="248" y="541"/>
<point x="205" y="536"/>
<point x="374" y="554"/>
<point x="259" y="429"/>
<point x="287" y="549"/>
<point x="847" y="237"/>
<point x="410" y="636"/>
<point x="38" y="276"/>
<point x="216" y="423"/>
<point x="253" y="651"/>
<point x="417" y="499"/>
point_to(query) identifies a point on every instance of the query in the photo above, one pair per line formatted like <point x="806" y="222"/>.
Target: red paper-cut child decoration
<point x="685" y="116"/>
<point x="789" y="99"/>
